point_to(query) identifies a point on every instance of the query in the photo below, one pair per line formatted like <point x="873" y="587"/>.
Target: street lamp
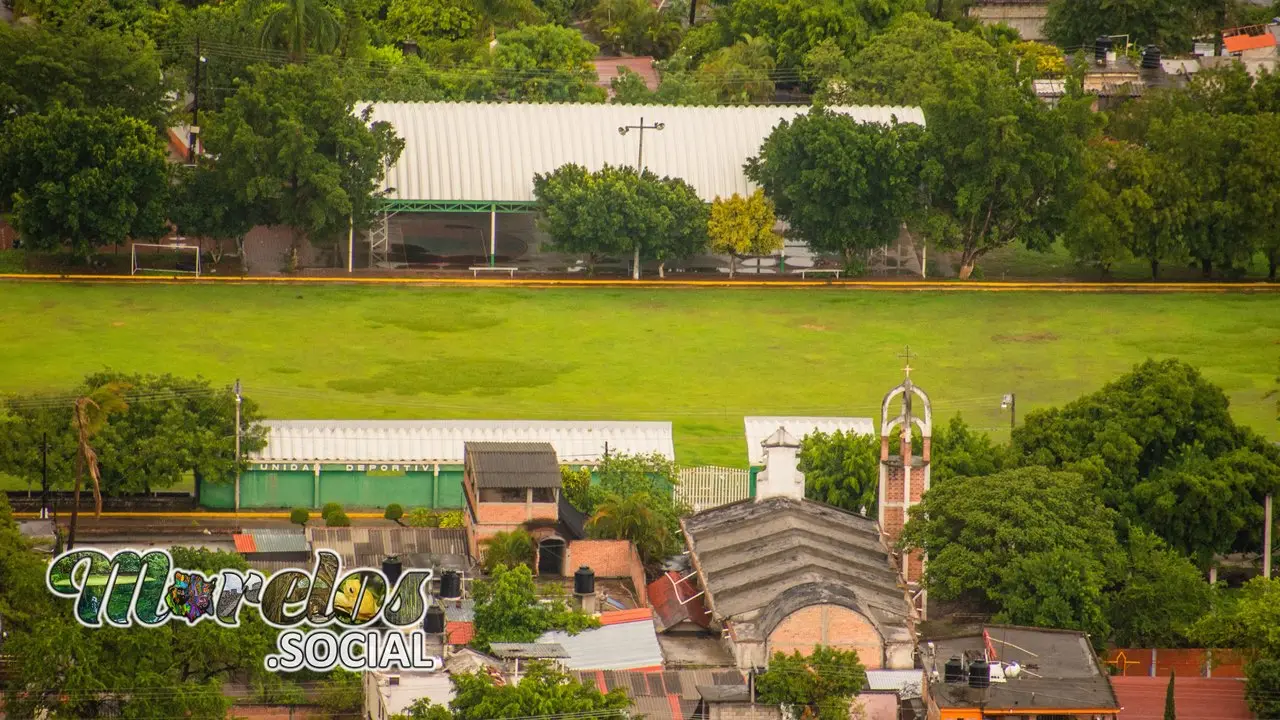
<point x="635" y="270"/>
<point x="1007" y="403"/>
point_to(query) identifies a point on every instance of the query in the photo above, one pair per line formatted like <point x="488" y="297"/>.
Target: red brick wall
<point x="515" y="513"/>
<point x="608" y="559"/>
<point x="1203" y="698"/>
<point x="830" y="625"/>
<point x="1186" y="662"/>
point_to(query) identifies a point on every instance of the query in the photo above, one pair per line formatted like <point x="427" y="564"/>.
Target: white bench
<point x="823" y="271"/>
<point x="477" y="269"/>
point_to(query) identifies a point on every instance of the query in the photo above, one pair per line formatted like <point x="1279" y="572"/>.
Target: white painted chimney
<point x="781" y="476"/>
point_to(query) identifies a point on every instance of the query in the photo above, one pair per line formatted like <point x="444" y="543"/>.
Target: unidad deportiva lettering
<point x="378" y="626"/>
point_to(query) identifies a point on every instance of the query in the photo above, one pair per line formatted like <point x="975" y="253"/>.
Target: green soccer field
<point x="700" y="358"/>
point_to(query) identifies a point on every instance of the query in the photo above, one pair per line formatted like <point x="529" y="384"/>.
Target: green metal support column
<point x="493" y="234"/>
<point x="435" y="488"/>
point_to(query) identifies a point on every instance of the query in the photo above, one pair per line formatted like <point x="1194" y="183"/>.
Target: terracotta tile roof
<point x="614" y="617"/>
<point x="1142" y="698"/>
<point x="459" y="633"/>
<point x="670" y="597"/>
<point x="244" y="543"/>
<point x="607" y="69"/>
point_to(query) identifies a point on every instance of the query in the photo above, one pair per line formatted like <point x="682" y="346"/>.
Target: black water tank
<point x="451" y="585"/>
<point x="391" y="568"/>
<point x="979" y="674"/>
<point x="434" y="621"/>
<point x="584" y="581"/>
<point x="1151" y="57"/>
<point x="953" y="671"/>
<point x="1101" y="47"/>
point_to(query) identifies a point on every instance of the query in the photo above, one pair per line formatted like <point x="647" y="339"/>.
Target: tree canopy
<point x="741" y="227"/>
<point x="842" y="469"/>
<point x="507" y="610"/>
<point x="820" y="685"/>
<point x="542" y="690"/>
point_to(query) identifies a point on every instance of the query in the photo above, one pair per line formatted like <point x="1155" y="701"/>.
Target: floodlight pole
<point x="1266" y="539"/>
<point x="635" y="270"/>
<point x="237" y="459"/>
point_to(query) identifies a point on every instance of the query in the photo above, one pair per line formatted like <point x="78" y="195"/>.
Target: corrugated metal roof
<point x="895" y="680"/>
<point x="244" y="543"/>
<point x="513" y="465"/>
<point x="491" y="151"/>
<point x="443" y="441"/>
<point x="369" y="546"/>
<point x="459" y="633"/>
<point x="459" y="610"/>
<point x="527" y="651"/>
<point x="276" y="540"/>
<point x="759" y="428"/>
<point x="625" y="646"/>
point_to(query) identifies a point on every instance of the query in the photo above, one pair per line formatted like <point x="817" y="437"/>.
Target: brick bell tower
<point x="904" y="478"/>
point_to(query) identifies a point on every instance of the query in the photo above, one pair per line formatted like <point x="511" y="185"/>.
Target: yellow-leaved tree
<point x="743" y="227"/>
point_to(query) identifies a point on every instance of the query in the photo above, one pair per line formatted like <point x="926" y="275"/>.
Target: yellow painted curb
<point x="897" y="285"/>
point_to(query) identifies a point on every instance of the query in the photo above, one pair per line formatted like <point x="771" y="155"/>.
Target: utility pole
<point x="237" y="459"/>
<point x="1009" y="402"/>
<point x="1266" y="539"/>
<point x="44" y="477"/>
<point x="195" y="107"/>
<point x="635" y="269"/>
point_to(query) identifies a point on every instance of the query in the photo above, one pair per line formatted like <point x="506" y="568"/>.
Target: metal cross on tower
<point x="907" y="355"/>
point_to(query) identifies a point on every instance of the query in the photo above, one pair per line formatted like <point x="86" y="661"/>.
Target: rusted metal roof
<point x="244" y="543"/>
<point x="527" y="651"/>
<point x="275" y="540"/>
<point x="369" y="546"/>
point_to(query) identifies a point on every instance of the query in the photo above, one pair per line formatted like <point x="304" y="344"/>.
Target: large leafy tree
<point x="508" y="610"/>
<point x="634" y="501"/>
<point x="1161" y="595"/>
<point x="817" y="686"/>
<point x="1171" y="25"/>
<point x="1249" y="622"/>
<point x="841" y="469"/>
<point x="79" y="68"/>
<point x="741" y="227"/>
<point x="542" y="690"/>
<point x="1028" y="545"/>
<point x="299" y="153"/>
<point x="637" y="27"/>
<point x="908" y="63"/>
<point x="1159" y="445"/>
<point x="203" y="205"/>
<point x="794" y="27"/>
<point x="960" y="451"/>
<point x="82" y="179"/>
<point x="617" y="210"/>
<point x="546" y="63"/>
<point x="843" y="186"/>
<point x="1000" y="165"/>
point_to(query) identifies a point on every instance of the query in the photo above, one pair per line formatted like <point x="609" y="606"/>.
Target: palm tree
<point x="301" y="24"/>
<point x="509" y="549"/>
<point x="630" y="518"/>
<point x="91" y="413"/>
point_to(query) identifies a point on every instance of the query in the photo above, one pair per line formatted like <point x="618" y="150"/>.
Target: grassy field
<point x="700" y="358"/>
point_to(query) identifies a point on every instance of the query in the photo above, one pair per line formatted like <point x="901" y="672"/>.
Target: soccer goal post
<point x="165" y="258"/>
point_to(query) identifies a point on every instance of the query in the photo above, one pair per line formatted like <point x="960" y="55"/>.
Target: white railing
<point x="709" y="486"/>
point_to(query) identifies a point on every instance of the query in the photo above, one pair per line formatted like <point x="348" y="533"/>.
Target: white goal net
<point x="175" y="258"/>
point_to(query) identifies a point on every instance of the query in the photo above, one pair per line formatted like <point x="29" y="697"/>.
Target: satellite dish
<point x="1012" y="670"/>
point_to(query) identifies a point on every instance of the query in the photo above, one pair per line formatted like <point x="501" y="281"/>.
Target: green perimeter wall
<point x="352" y="485"/>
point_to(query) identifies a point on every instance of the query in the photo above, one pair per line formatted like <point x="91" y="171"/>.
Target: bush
<point x="393" y="512"/>
<point x="338" y="518"/>
<point x="13" y="261"/>
<point x="299" y="516"/>
<point x="329" y="509"/>
<point x="422" y="517"/>
<point x="451" y="519"/>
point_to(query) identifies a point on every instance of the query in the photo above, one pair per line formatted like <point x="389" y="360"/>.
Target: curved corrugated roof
<point x="489" y="152"/>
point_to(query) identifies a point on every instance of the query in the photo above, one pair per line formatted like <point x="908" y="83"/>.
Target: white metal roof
<point x="624" y="646"/>
<point x="759" y="428"/>
<point x="490" y="151"/>
<point x="409" y="441"/>
<point x="895" y="680"/>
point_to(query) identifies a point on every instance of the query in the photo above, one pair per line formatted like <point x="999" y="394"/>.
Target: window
<point x="544" y="495"/>
<point x="503" y="495"/>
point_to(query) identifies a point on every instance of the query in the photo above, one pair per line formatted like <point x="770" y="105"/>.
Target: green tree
<point x="1160" y="597"/>
<point x="204" y="205"/>
<point x="678" y="87"/>
<point x="842" y="186"/>
<point x="542" y="690"/>
<point x="740" y="73"/>
<point x="507" y="609"/>
<point x="1159" y="445"/>
<point x="741" y="227"/>
<point x="1248" y="623"/>
<point x="394" y="512"/>
<point x="1171" y="25"/>
<point x="1000" y="165"/>
<point x="337" y="518"/>
<point x="841" y="469"/>
<point x="1028" y="545"/>
<point x="299" y="516"/>
<point x="68" y="15"/>
<point x="636" y="27"/>
<point x="818" y="686"/>
<point x="630" y="518"/>
<point x="576" y="486"/>
<point x="545" y="63"/>
<point x="508" y="549"/>
<point x="617" y="210"/>
<point x="331" y="508"/>
<point x="424" y="20"/>
<point x="1262" y="687"/>
<point x="910" y="62"/>
<point x="79" y="68"/>
<point x="1169" y="712"/>
<point x="82" y="179"/>
<point x="794" y="27"/>
<point x="497" y="14"/>
<point x="342" y="694"/>
<point x="959" y="451"/>
<point x="298" y="26"/>
<point x="292" y="144"/>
